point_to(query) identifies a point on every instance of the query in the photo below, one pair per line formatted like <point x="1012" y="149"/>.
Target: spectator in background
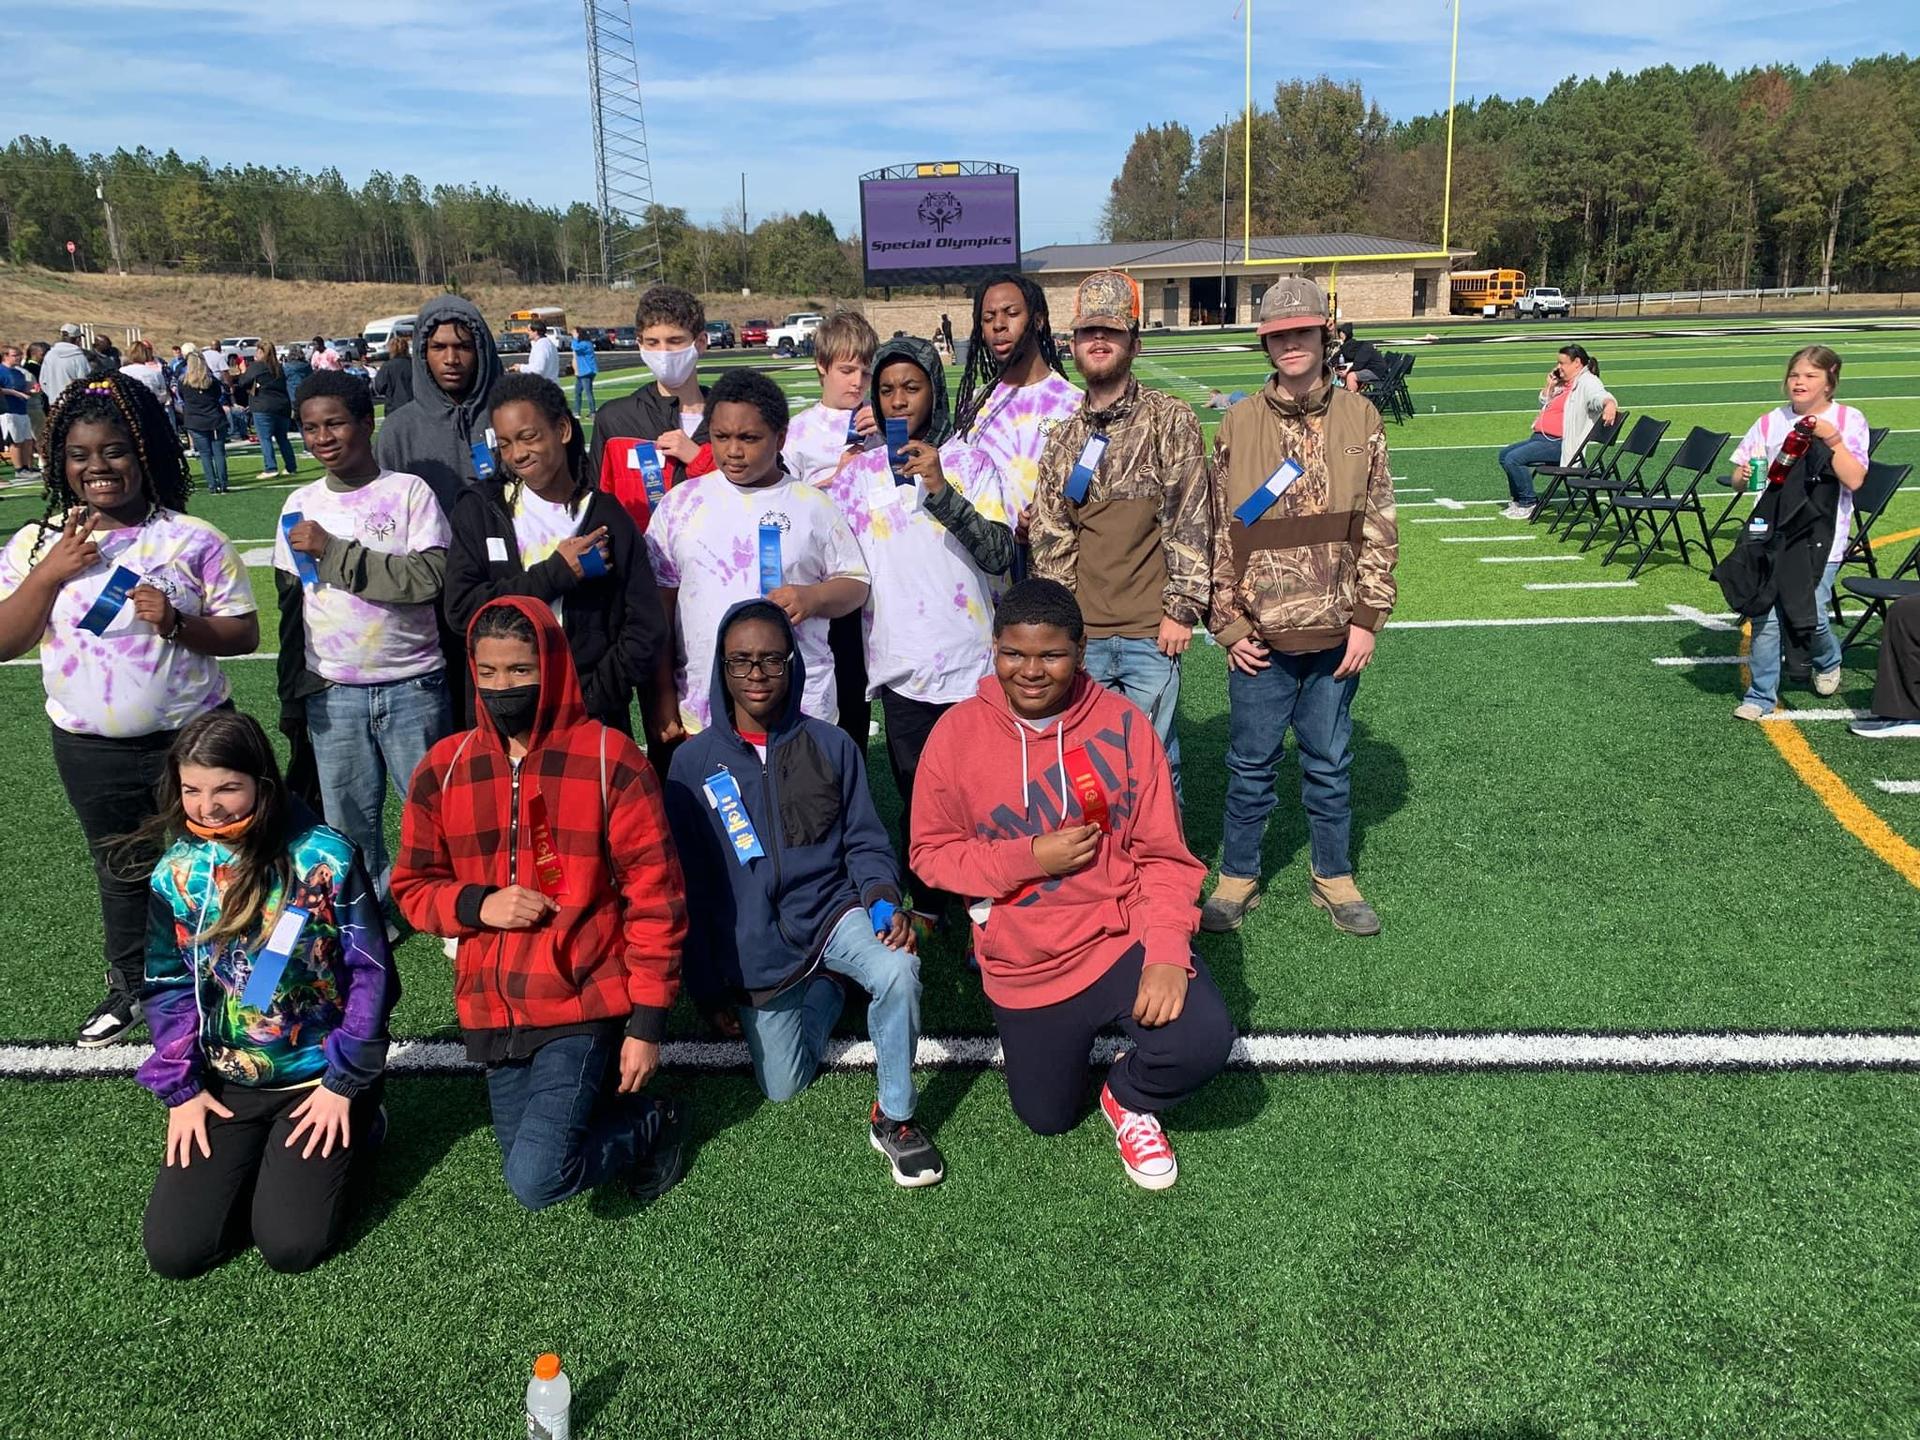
<point x="543" y="356"/>
<point x="321" y="356"/>
<point x="16" y="427"/>
<point x="177" y="362"/>
<point x="37" y="407"/>
<point x="203" y="409"/>
<point x="271" y="404"/>
<point x="295" y="368"/>
<point x="239" y="418"/>
<point x="1896" y="691"/>
<point x="106" y="354"/>
<point x="1572" y="402"/>
<point x="63" y="364"/>
<point x="586" y="365"/>
<point x="393" y="386"/>
<point x="142" y="366"/>
<point x="946" y="332"/>
<point x="1358" y="362"/>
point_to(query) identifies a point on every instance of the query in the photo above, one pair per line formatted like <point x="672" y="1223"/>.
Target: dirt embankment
<point x="167" y="309"/>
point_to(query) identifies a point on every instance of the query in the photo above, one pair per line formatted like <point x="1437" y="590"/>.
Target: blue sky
<point x="804" y="96"/>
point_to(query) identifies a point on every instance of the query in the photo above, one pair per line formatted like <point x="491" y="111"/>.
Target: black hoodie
<point x="434" y="436"/>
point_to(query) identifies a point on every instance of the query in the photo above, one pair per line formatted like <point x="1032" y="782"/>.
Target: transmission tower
<point x="623" y="178"/>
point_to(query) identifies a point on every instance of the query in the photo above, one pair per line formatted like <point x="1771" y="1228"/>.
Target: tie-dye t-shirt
<point x="538" y="528"/>
<point x="816" y="440"/>
<point x="352" y="641"/>
<point x="1012" y="429"/>
<point x="705" y="542"/>
<point x="928" y="623"/>
<point x="1767" y="434"/>
<point x="127" y="681"/>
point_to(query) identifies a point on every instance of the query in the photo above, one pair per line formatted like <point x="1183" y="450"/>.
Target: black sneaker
<point x="111" y="1019"/>
<point x="664" y="1163"/>
<point x="914" y="1157"/>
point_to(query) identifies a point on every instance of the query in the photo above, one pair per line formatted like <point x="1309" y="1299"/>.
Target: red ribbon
<point x="546" y="859"/>
<point x="1086" y="787"/>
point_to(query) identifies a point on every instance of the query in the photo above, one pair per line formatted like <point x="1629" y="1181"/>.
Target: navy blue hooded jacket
<point x="755" y="929"/>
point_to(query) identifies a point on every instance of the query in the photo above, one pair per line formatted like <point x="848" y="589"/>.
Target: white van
<point x="378" y="332"/>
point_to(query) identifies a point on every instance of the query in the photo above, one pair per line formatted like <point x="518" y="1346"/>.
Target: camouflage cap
<point x="1293" y="302"/>
<point x="1109" y="298"/>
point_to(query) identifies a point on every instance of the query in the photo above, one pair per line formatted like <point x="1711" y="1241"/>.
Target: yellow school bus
<point x="1474" y="290"/>
<point x="520" y="322"/>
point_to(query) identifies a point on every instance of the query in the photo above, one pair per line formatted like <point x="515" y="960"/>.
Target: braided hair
<point x="981" y="374"/>
<point x="129" y="406"/>
<point x="551" y="401"/>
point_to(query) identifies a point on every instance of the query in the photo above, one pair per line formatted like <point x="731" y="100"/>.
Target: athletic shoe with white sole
<point x="664" y="1163"/>
<point x="1879" y="728"/>
<point x="111" y="1020"/>
<point x="911" y="1154"/>
<point x="1826" y="682"/>
<point x="1517" y="511"/>
<point x="1145" y="1152"/>
<point x="1747" y="710"/>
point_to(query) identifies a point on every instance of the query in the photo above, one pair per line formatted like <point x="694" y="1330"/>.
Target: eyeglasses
<point x="741" y="666"/>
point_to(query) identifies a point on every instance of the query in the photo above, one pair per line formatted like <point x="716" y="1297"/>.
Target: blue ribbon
<point x="1081" y="475"/>
<point x="1257" y="504"/>
<point x="899" y="435"/>
<point x="652" y="475"/>
<point x="112" y="600"/>
<point x="264" y="981"/>
<point x="303" y="565"/>
<point x="723" y="793"/>
<point x="772" y="575"/>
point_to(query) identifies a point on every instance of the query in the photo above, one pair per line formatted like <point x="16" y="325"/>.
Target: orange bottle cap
<point x="547" y="1366"/>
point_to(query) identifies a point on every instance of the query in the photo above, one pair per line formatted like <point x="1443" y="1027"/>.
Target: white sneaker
<point x="450" y="947"/>
<point x="1826" y="682"/>
<point x="1747" y="710"/>
<point x="1518" y="512"/>
<point x="1878" y="728"/>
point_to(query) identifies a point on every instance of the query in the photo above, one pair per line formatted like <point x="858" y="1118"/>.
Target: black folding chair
<point x="1883" y="482"/>
<point x="1387" y="393"/>
<point x="1698" y="454"/>
<point x="1880" y="592"/>
<point x="1875" y="436"/>
<point x="1401" y="394"/>
<point x="1592" y="494"/>
<point x="1590" y="458"/>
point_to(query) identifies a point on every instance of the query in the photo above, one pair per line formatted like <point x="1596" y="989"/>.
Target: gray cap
<point x="1293" y="302"/>
<point x="71" y="332"/>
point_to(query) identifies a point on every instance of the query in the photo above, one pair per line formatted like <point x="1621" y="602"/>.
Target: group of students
<point x="471" y="603"/>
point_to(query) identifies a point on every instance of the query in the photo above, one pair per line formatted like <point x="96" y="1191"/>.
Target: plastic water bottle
<point x="549" y="1401"/>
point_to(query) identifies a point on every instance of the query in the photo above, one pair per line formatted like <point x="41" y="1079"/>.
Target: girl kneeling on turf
<point x="1047" y="800"/>
<point x="268" y="987"/>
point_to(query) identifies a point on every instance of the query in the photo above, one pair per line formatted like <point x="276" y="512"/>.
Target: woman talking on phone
<point x="1571" y="402"/>
<point x="131" y="601"/>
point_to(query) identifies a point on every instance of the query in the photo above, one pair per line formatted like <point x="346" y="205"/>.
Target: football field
<point x="1612" y="1132"/>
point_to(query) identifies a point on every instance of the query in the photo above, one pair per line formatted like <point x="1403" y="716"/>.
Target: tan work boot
<point x="1232" y="899"/>
<point x="1342" y="900"/>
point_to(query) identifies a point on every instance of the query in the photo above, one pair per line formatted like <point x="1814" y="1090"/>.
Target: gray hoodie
<point x="64" y="363"/>
<point x="434" y="436"/>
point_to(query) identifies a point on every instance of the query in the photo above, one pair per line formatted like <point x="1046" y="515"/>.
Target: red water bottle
<point x="1791" y="449"/>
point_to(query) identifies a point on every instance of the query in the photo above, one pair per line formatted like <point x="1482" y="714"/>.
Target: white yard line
<point x="1897" y="787"/>
<point x="1836" y="714"/>
<point x="1272" y="1051"/>
<point x="1588" y="585"/>
<point x="1521" y="538"/>
<point x="1686" y="661"/>
<point x="1530" y="559"/>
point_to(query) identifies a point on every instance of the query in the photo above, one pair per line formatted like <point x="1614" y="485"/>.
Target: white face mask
<point x="672" y="368"/>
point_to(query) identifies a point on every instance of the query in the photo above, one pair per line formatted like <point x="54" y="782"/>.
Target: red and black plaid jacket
<point x="612" y="950"/>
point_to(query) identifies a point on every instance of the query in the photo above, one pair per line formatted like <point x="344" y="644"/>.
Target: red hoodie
<point x="612" y="950"/>
<point x="1045" y="939"/>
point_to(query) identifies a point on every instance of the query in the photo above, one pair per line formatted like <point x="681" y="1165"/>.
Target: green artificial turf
<point x="1559" y="834"/>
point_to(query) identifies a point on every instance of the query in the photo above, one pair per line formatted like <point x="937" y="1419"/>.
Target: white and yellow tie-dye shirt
<point x="1012" y="429"/>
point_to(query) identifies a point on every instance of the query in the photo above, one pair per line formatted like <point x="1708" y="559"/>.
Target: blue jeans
<point x="1134" y="667"/>
<point x="583" y="386"/>
<point x="213" y="459"/>
<point x="1536" y="449"/>
<point x="1297" y="691"/>
<point x="788" y="1035"/>
<point x="270" y="428"/>
<point x="561" y="1124"/>
<point x="239" y="424"/>
<point x="362" y="734"/>
<point x="1764" y="663"/>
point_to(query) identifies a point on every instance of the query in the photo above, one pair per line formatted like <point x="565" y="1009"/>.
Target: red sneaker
<point x="1144" y="1148"/>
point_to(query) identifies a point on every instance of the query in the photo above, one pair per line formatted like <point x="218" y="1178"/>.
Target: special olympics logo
<point x="940" y="209"/>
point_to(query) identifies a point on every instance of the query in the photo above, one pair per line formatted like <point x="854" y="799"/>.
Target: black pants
<point x="849" y="647"/>
<point x="1046" y="1049"/>
<point x="112" y="786"/>
<point x="1896" y="691"/>
<point x="254" y="1189"/>
<point x="909" y="723"/>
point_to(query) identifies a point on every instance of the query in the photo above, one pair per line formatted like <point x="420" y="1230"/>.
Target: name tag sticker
<point x="1082" y="474"/>
<point x="496" y="550"/>
<point x="1278" y="483"/>
<point x="883" y="493"/>
<point x="723" y="794"/>
<point x="772" y="575"/>
<point x="112" y="600"/>
<point x="303" y="565"/>
<point x="264" y="981"/>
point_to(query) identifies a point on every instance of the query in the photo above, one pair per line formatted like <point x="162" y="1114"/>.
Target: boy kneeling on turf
<point x="794" y="884"/>
<point x="1084" y="892"/>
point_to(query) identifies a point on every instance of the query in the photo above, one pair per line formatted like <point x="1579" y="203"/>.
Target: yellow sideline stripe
<point x="1853" y="813"/>
<point x="1893" y="539"/>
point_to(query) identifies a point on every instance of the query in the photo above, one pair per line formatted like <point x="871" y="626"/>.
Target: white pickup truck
<point x="792" y="333"/>
<point x="1542" y="301"/>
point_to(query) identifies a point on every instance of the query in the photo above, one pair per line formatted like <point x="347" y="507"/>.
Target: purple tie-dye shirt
<point x="1012" y="429"/>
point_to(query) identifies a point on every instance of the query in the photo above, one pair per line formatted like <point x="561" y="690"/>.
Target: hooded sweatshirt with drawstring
<point x="760" y="927"/>
<point x="989" y="784"/>
<point x="434" y="436"/>
<point x="611" y="954"/>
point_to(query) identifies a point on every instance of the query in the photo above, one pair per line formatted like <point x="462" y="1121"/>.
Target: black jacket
<point x="269" y="391"/>
<point x="644" y="415"/>
<point x="393" y="386"/>
<point x="1782" y="550"/>
<point x="201" y="409"/>
<point x="614" y="624"/>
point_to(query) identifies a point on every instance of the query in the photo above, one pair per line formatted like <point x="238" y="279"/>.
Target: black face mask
<point x="512" y="709"/>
